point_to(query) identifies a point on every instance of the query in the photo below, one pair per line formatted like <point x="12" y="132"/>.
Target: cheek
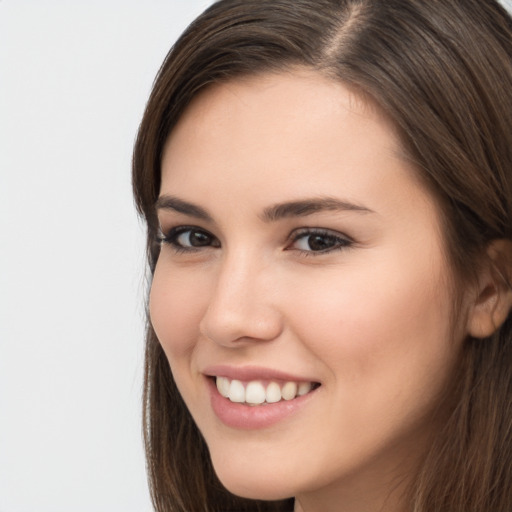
<point x="385" y="343"/>
<point x="176" y="307"/>
<point x="379" y="325"/>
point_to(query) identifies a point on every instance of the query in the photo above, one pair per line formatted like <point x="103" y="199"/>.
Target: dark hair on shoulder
<point x="442" y="72"/>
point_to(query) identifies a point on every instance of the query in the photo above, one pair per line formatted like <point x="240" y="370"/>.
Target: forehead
<point x="296" y="132"/>
<point x="297" y="94"/>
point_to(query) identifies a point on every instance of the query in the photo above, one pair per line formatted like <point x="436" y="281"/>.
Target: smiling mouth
<point x="258" y="392"/>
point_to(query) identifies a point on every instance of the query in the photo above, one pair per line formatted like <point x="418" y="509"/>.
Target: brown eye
<point x="189" y="238"/>
<point x="320" y="241"/>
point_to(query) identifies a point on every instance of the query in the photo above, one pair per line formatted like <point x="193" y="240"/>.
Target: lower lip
<point x="247" y="417"/>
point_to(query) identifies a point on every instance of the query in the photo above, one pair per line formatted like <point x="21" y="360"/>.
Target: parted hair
<point x="441" y="70"/>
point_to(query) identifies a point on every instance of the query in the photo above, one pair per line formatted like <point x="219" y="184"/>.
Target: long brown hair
<point x="442" y="71"/>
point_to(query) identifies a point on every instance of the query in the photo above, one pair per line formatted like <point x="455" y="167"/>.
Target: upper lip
<point x="248" y="373"/>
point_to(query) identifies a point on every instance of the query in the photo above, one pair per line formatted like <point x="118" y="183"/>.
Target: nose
<point x="242" y="307"/>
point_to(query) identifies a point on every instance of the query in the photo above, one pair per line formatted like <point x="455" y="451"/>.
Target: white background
<point x="74" y="78"/>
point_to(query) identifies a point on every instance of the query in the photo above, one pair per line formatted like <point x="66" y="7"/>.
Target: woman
<point x="327" y="187"/>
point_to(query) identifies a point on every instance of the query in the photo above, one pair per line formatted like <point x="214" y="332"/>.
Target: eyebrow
<point x="300" y="208"/>
<point x="178" y="205"/>
<point x="305" y="207"/>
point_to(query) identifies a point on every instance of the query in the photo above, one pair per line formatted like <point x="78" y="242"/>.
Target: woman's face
<point x="302" y="266"/>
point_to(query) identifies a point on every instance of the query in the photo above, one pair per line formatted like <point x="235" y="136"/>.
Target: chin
<point x="256" y="485"/>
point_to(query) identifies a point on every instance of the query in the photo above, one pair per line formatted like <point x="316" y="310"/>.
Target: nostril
<point x="240" y="325"/>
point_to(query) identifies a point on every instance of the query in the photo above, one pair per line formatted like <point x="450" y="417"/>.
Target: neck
<point x="371" y="499"/>
<point x="381" y="486"/>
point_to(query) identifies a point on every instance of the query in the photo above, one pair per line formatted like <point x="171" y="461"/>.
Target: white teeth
<point x="236" y="391"/>
<point x="223" y="386"/>
<point x="289" y="391"/>
<point x="254" y="392"/>
<point x="273" y="393"/>
<point x="304" y="388"/>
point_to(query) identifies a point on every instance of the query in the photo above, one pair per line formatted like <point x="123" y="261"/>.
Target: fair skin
<point x="347" y="294"/>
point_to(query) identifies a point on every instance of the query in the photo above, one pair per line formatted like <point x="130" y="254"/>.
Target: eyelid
<point x="344" y="241"/>
<point x="340" y="240"/>
<point x="170" y="235"/>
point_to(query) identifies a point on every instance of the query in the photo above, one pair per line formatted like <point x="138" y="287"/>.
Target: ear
<point x="493" y="301"/>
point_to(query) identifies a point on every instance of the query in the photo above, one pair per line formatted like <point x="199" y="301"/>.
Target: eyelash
<point x="339" y="241"/>
<point x="171" y="238"/>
